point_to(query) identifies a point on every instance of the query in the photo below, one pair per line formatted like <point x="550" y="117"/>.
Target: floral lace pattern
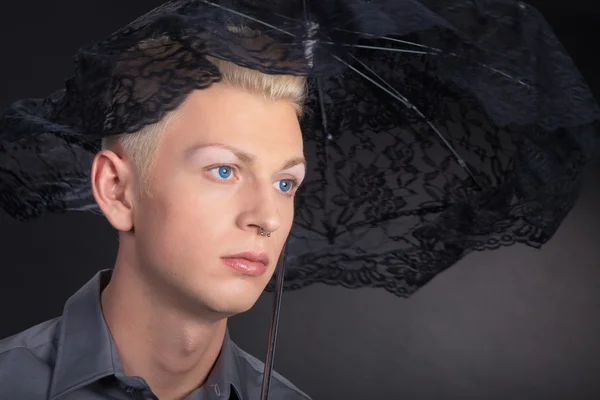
<point x="435" y="127"/>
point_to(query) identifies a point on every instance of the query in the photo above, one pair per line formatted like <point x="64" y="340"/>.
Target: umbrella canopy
<point x="434" y="128"/>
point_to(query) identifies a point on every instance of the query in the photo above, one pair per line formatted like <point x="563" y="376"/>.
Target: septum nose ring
<point x="264" y="233"/>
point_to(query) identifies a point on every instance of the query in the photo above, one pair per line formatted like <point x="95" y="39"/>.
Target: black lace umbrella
<point x="435" y="127"/>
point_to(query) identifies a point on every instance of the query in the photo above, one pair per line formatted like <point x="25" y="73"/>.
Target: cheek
<point x="286" y="213"/>
<point x="188" y="219"/>
<point x="287" y="216"/>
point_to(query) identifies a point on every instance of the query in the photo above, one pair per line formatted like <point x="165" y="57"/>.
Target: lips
<point x="248" y="263"/>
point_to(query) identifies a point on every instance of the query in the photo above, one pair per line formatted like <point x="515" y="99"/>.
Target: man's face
<point x="227" y="166"/>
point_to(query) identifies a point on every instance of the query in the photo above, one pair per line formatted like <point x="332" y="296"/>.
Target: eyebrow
<point x="249" y="158"/>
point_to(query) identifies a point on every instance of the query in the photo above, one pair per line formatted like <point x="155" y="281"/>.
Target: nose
<point x="260" y="209"/>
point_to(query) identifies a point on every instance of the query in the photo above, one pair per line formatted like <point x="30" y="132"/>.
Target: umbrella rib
<point x="400" y="95"/>
<point x="300" y="22"/>
<point x="390" y="39"/>
<point x="364" y="46"/>
<point x="434" y="49"/>
<point x="247" y="17"/>
<point x="435" y="53"/>
<point x="405" y="100"/>
<point x="409" y="105"/>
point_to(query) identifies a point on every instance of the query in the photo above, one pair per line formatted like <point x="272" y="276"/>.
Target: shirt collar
<point x="86" y="351"/>
<point x="84" y="342"/>
<point x="225" y="373"/>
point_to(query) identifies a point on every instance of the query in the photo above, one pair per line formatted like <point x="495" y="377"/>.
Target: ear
<point x="113" y="185"/>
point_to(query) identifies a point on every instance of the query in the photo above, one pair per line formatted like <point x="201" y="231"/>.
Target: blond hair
<point x="141" y="146"/>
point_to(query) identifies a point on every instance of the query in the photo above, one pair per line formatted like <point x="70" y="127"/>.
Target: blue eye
<point x="285" y="185"/>
<point x="223" y="171"/>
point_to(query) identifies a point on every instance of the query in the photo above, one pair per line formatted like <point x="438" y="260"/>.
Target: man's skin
<point x="171" y="292"/>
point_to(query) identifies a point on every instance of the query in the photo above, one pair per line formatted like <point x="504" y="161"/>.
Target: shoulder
<point x="26" y="362"/>
<point x="281" y="388"/>
<point x="35" y="339"/>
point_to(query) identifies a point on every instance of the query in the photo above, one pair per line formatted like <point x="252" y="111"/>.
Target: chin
<point x="230" y="298"/>
<point x="230" y="307"/>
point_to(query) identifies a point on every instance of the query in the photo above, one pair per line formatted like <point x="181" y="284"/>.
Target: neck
<point x="171" y="349"/>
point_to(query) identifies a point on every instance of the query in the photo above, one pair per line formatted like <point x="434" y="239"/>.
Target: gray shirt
<point x="73" y="357"/>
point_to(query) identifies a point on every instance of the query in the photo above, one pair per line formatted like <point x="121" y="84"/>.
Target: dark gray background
<point x="516" y="323"/>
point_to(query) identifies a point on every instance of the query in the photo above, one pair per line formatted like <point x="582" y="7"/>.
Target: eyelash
<point x="234" y="170"/>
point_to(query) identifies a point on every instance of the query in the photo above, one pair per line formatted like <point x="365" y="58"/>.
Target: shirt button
<point x="217" y="389"/>
<point x="129" y="390"/>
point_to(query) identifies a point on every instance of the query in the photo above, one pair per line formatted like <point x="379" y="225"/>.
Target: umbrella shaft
<point x="274" y="327"/>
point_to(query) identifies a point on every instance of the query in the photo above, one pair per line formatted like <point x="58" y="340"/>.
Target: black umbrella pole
<point x="280" y="273"/>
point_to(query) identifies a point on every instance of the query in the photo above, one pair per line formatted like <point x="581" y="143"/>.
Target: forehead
<point x="224" y="114"/>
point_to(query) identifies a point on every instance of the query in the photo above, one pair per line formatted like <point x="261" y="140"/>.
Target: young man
<point x="203" y="201"/>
